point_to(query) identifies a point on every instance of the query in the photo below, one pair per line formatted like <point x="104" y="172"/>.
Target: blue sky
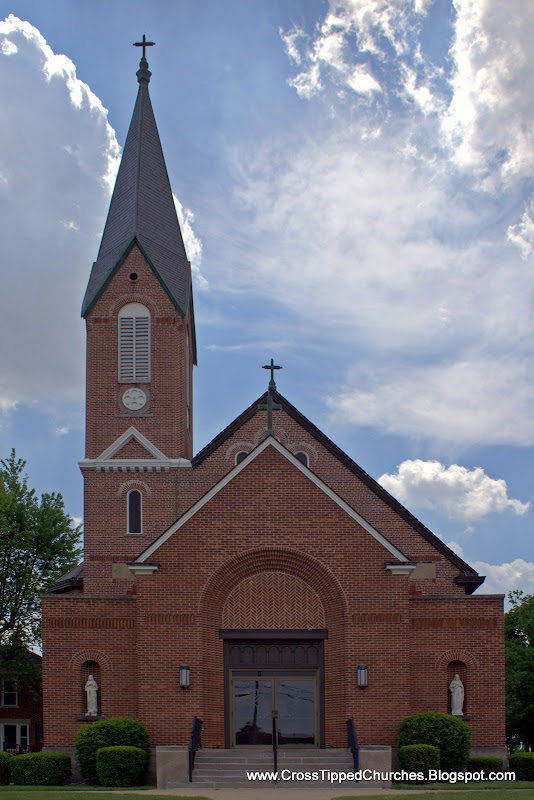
<point x="356" y="187"/>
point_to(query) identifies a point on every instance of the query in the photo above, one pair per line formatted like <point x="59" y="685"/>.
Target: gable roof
<point x="142" y="212"/>
<point x="469" y="578"/>
<point x="271" y="441"/>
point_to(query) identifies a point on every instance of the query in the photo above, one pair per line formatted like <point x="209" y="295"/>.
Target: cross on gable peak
<point x="272" y="367"/>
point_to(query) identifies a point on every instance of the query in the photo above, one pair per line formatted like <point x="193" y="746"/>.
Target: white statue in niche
<point x="91" y="688"/>
<point x="456" y="689"/>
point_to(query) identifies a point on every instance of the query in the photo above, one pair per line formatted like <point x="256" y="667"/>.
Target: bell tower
<point x="141" y="349"/>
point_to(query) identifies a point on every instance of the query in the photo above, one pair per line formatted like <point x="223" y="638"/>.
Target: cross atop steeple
<point x="144" y="44"/>
<point x="143" y="73"/>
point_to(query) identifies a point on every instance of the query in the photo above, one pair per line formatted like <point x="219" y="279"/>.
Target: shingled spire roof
<point x="142" y="212"/>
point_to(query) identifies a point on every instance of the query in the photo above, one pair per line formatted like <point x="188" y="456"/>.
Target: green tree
<point x="38" y="544"/>
<point x="519" y="641"/>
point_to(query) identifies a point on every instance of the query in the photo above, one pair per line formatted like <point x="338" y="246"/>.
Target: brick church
<point x="267" y="572"/>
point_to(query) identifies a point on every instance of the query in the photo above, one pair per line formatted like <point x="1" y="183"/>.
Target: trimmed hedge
<point x="419" y="758"/>
<point x="41" y="769"/>
<point x="487" y="763"/>
<point x="121" y="765"/>
<point x="452" y="736"/>
<point x="107" y="733"/>
<point x="5" y="768"/>
<point x="523" y="766"/>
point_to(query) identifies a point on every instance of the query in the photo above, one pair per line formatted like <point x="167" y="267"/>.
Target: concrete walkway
<point x="255" y="793"/>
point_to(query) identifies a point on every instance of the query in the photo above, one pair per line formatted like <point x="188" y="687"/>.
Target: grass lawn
<point x="468" y="787"/>
<point x="469" y="794"/>
<point x="76" y="793"/>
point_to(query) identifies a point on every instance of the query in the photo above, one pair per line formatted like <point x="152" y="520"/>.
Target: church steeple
<point x="142" y="212"/>
<point x="139" y="305"/>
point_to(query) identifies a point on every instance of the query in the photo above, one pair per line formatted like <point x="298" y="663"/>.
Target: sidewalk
<point x="255" y="793"/>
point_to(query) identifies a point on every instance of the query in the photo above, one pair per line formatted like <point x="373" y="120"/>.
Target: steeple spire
<point x="142" y="210"/>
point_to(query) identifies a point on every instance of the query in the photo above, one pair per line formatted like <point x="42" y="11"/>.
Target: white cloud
<point x="193" y="245"/>
<point x="385" y="253"/>
<point x="55" y="185"/>
<point x="62" y="430"/>
<point x="490" y="120"/>
<point x="501" y="578"/>
<point x="522" y="234"/>
<point x="369" y="30"/>
<point x="468" y="402"/>
<point x="460" y="492"/>
<point x="58" y="160"/>
<point x="504" y="578"/>
<point x="9" y="48"/>
<point x="362" y="82"/>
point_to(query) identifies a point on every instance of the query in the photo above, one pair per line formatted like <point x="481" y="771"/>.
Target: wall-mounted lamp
<point x="184" y="676"/>
<point x="362" y="676"/>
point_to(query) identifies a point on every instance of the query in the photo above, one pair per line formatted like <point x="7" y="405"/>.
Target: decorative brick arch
<point x="281" y="434"/>
<point x="135" y="484"/>
<point x="238" y="447"/>
<point x="273" y="559"/>
<point x="90" y="654"/>
<point x="457" y="655"/>
<point x="305" y="447"/>
<point x="134" y="297"/>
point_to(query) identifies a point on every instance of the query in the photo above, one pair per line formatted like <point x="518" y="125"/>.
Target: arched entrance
<point x="278" y="616"/>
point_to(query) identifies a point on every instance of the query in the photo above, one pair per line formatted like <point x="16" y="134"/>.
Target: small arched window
<point x="240" y="456"/>
<point x="135" y="511"/>
<point x="302" y="457"/>
<point x="134" y="343"/>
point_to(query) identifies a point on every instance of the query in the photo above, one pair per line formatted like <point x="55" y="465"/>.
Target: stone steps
<point x="217" y="769"/>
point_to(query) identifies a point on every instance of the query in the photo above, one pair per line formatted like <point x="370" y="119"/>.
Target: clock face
<point x="134" y="399"/>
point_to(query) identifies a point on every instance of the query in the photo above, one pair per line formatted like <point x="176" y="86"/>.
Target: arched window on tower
<point x="134" y="343"/>
<point x="135" y="511"/>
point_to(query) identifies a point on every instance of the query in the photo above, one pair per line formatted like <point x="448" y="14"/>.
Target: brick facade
<point x="263" y="548"/>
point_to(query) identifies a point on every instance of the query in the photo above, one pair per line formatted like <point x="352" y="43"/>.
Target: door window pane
<point x="253" y="704"/>
<point x="296" y="711"/>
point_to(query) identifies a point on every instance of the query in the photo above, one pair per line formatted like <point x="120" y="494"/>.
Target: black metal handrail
<point x="275" y="742"/>
<point x="195" y="743"/>
<point x="352" y="741"/>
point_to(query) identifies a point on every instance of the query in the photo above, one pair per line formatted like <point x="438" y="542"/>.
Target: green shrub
<point x="121" y="765"/>
<point x="452" y="736"/>
<point x="419" y="758"/>
<point x="523" y="766"/>
<point x="5" y="768"/>
<point x="41" y="769"/>
<point x="107" y="733"/>
<point x="487" y="763"/>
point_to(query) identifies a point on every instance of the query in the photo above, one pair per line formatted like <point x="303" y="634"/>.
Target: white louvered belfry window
<point x="134" y="343"/>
